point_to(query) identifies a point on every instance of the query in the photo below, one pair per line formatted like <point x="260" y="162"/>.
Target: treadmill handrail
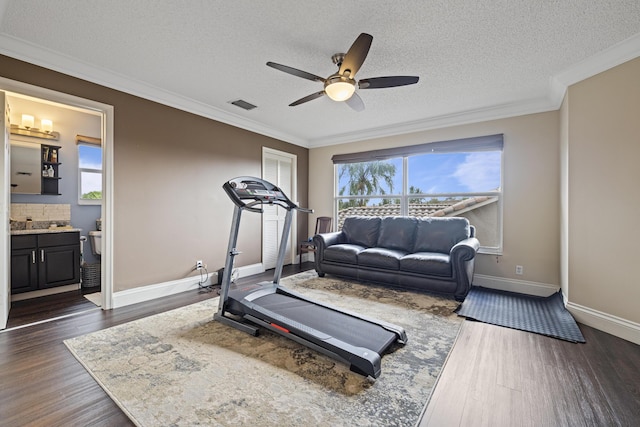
<point x="230" y="188"/>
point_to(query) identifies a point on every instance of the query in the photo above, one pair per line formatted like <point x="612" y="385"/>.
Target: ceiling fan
<point x="341" y="86"/>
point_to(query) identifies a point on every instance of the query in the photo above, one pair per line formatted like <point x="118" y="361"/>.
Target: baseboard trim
<point x="608" y="323"/>
<point x="159" y="290"/>
<point x="250" y="270"/>
<point x="515" y="285"/>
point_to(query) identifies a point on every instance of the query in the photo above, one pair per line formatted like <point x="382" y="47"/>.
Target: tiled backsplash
<point x="42" y="214"/>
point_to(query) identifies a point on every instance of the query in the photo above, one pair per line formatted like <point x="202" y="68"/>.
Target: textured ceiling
<point x="475" y="60"/>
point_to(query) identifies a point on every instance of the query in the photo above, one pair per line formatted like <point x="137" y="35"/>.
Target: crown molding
<point x="495" y="112"/>
<point x="611" y="57"/>
<point x="622" y="52"/>
<point x="37" y="55"/>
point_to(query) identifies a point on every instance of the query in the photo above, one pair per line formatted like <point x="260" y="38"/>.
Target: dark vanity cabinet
<point x="40" y="261"/>
<point x="24" y="263"/>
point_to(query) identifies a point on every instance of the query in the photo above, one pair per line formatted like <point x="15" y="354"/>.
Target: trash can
<point x="90" y="275"/>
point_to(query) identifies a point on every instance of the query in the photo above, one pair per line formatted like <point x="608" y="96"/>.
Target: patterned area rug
<point x="180" y="368"/>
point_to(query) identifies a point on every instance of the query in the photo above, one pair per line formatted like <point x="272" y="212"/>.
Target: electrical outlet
<point x="199" y="264"/>
<point x="519" y="270"/>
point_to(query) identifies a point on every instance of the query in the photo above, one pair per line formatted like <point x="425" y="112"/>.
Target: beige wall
<point x="531" y="190"/>
<point x="603" y="150"/>
<point x="169" y="166"/>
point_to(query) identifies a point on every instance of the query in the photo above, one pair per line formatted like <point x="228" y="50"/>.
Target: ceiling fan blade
<point x="355" y="102"/>
<point x="356" y="55"/>
<point x="307" y="98"/>
<point x="391" y="81"/>
<point x="296" y="72"/>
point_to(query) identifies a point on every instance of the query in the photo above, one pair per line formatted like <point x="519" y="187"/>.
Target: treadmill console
<point x="255" y="189"/>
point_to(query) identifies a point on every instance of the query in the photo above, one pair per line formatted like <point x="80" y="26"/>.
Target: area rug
<point x="541" y="315"/>
<point x="180" y="368"/>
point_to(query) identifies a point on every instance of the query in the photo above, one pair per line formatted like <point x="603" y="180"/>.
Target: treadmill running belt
<point x="344" y="327"/>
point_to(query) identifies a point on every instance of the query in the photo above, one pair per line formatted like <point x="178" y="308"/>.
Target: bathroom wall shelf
<point x="50" y="184"/>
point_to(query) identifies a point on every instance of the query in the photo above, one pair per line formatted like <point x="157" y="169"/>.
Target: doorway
<point x="105" y="113"/>
<point x="279" y="168"/>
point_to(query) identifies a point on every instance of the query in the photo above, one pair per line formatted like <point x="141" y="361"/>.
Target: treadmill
<point x="351" y="338"/>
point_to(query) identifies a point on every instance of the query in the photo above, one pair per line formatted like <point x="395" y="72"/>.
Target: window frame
<point x="486" y="143"/>
<point x="88" y="142"/>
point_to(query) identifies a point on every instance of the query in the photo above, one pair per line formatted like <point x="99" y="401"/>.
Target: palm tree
<point x="415" y="190"/>
<point x="366" y="179"/>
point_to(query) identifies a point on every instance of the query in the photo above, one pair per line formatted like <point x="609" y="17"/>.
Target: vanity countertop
<point x="46" y="230"/>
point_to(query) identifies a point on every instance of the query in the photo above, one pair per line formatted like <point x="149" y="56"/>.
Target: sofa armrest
<point x="462" y="257"/>
<point x="465" y="249"/>
<point x="323" y="241"/>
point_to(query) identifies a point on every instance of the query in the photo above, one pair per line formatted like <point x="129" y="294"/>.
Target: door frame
<point x="106" y="112"/>
<point x="293" y="235"/>
<point x="5" y="208"/>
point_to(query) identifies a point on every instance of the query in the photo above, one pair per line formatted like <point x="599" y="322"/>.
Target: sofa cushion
<point x="381" y="258"/>
<point x="361" y="230"/>
<point x="432" y="263"/>
<point x="397" y="232"/>
<point x="440" y="234"/>
<point x="345" y="253"/>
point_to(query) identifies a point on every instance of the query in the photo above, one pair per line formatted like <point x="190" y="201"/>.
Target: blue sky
<point x="450" y="172"/>
<point x="455" y="172"/>
<point x="91" y="158"/>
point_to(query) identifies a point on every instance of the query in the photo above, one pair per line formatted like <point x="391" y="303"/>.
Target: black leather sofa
<point x="429" y="254"/>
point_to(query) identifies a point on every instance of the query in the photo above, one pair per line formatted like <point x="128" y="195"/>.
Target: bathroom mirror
<point x="26" y="164"/>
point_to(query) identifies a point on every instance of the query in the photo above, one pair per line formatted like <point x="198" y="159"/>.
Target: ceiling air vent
<point x="243" y="104"/>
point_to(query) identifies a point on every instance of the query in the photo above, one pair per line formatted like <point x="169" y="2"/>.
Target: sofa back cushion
<point x="440" y="234"/>
<point x="397" y="232"/>
<point x="362" y="230"/>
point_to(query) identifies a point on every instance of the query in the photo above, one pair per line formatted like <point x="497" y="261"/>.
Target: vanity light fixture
<point x="26" y="128"/>
<point x="47" y="125"/>
<point x="27" y="121"/>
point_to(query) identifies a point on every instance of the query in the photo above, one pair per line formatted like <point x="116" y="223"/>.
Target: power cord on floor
<point x="202" y="284"/>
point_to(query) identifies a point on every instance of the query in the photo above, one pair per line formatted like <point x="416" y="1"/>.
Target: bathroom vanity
<point x="42" y="259"/>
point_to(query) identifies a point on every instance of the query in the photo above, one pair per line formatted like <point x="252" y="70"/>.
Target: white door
<point x="278" y="168"/>
<point x="5" y="206"/>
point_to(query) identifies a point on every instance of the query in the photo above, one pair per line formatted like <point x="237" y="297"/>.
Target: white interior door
<point x="5" y="206"/>
<point x="278" y="168"/>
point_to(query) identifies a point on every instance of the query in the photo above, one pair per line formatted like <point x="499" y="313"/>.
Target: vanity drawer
<point x="58" y="239"/>
<point x="28" y="241"/>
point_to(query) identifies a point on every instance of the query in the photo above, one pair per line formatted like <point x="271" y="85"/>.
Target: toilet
<point x="95" y="237"/>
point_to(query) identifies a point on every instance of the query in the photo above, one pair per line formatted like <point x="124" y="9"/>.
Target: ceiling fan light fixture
<point x="339" y="88"/>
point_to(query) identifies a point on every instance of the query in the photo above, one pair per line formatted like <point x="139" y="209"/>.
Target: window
<point x="449" y="178"/>
<point x="89" y="173"/>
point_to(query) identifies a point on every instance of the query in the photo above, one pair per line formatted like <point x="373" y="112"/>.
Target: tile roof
<point x="442" y="208"/>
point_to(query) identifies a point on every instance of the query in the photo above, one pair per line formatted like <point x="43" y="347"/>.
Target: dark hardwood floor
<point x="39" y="309"/>
<point x="497" y="376"/>
<point x="494" y="376"/>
